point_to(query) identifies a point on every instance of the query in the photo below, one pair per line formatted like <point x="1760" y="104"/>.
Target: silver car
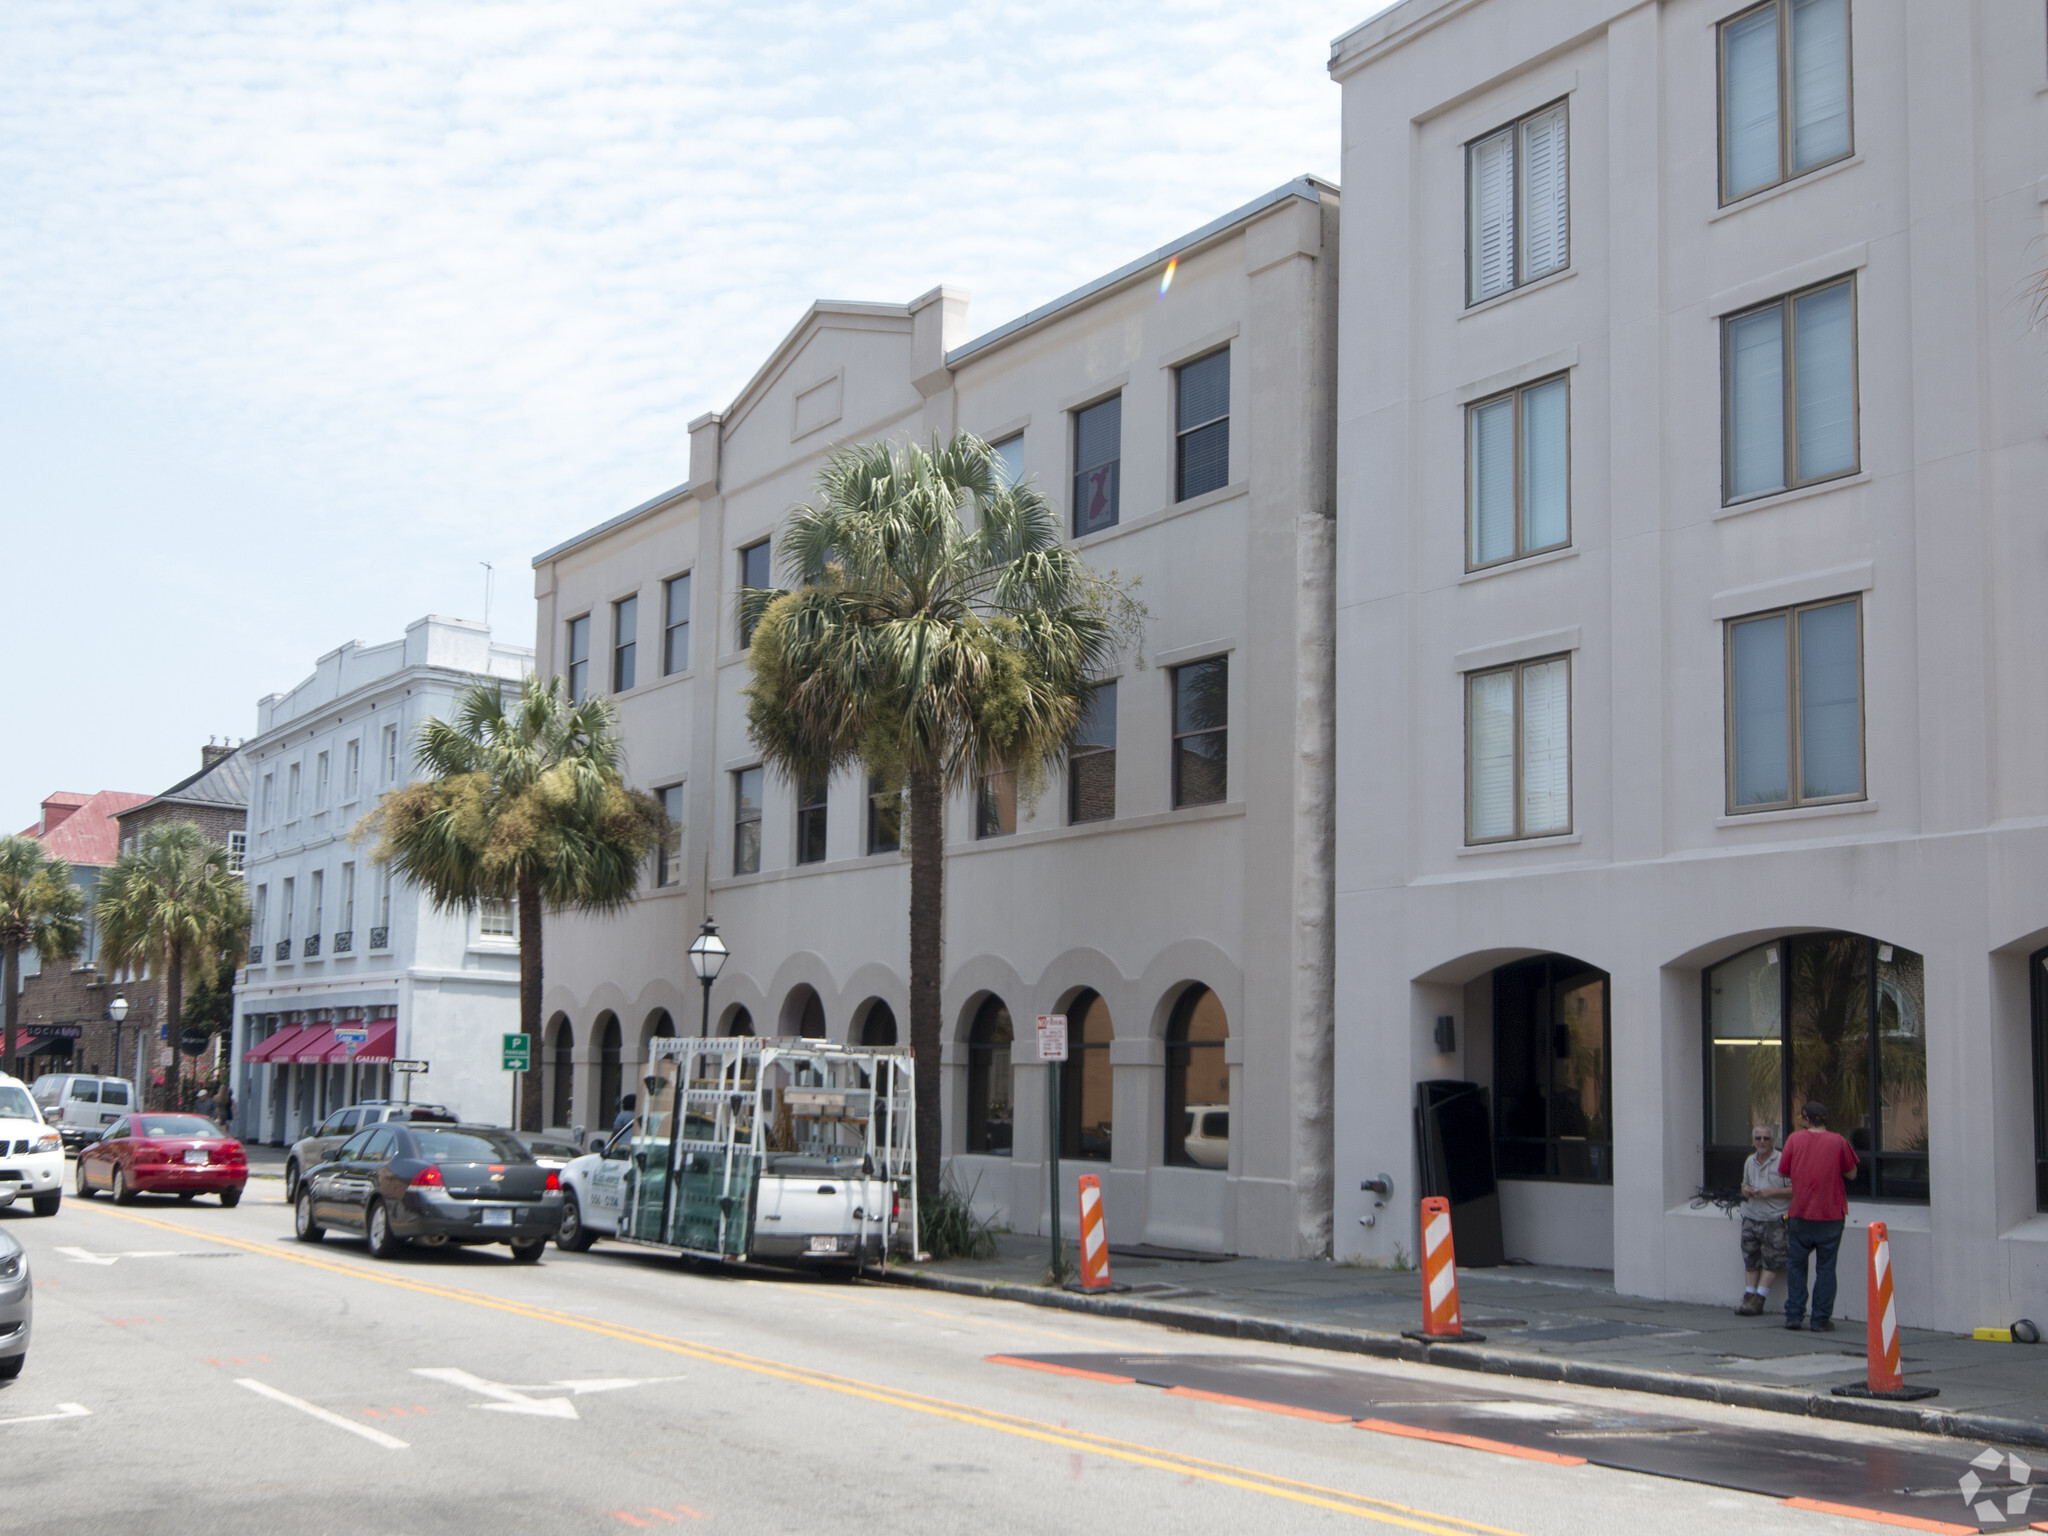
<point x="17" y="1306"/>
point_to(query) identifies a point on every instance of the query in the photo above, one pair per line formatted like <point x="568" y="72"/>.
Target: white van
<point x="81" y="1106"/>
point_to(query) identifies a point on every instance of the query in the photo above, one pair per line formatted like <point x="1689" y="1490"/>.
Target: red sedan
<point x="167" y="1154"/>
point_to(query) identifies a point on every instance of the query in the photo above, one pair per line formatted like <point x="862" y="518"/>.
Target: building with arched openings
<point x="1169" y="890"/>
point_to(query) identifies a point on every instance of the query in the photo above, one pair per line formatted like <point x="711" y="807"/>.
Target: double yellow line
<point x="1380" y="1511"/>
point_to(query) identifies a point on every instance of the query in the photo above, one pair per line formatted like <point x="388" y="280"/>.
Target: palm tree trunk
<point x="529" y="1002"/>
<point x="174" y="1010"/>
<point x="12" y="974"/>
<point x="927" y="965"/>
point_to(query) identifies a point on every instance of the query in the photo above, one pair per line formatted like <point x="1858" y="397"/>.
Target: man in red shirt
<point x="1819" y="1163"/>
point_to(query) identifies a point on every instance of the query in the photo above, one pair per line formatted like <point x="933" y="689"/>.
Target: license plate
<point x="497" y="1217"/>
<point x="824" y="1245"/>
<point x="195" y="1155"/>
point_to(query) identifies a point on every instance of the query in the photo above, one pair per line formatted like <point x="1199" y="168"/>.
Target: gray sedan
<point x="432" y="1185"/>
<point x="17" y="1306"/>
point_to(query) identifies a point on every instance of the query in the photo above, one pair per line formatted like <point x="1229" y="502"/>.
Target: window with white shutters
<point x="1784" y="93"/>
<point x="1518" y="203"/>
<point x="1518" y="751"/>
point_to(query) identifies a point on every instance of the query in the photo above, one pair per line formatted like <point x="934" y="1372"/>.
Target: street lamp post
<point x="117" y="1010"/>
<point x="707" y="958"/>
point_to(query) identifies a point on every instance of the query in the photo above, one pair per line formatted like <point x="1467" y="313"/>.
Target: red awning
<point x="310" y="1048"/>
<point x="378" y="1048"/>
<point x="279" y="1045"/>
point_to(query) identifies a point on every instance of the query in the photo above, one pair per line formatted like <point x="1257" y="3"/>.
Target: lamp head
<point x="117" y="1010"/>
<point x="707" y="953"/>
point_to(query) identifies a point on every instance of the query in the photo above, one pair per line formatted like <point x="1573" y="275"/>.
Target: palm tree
<point x="39" y="910"/>
<point x="170" y="900"/>
<point x="523" y="804"/>
<point x="930" y="652"/>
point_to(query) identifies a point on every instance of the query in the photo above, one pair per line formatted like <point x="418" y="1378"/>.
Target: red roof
<point x="81" y="829"/>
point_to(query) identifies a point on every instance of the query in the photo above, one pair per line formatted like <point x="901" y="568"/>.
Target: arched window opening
<point x="564" y="1073"/>
<point x="811" y="1022"/>
<point x="879" y="1027"/>
<point x="611" y="1044"/>
<point x="1197" y="1082"/>
<point x="741" y="1023"/>
<point x="1551" y="1076"/>
<point x="1086" y="1104"/>
<point x="991" y="1099"/>
<point x="660" y="1026"/>
<point x="1833" y="1017"/>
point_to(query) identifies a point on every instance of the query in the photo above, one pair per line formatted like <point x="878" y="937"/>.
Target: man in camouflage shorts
<point x="1765" y="1193"/>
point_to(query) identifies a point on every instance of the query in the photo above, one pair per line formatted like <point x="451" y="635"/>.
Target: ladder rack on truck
<point x="790" y="1150"/>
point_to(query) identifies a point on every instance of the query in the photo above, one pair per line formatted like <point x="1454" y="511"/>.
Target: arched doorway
<point x="561" y="1070"/>
<point x="991" y="1092"/>
<point x="1087" y="1106"/>
<point x="610" y="1048"/>
<point x="1836" y="1018"/>
<point x="878" y="1024"/>
<point x="1197" y="1081"/>
<point x="1551" y="1072"/>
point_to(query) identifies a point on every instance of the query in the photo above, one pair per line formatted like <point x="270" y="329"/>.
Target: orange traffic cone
<point x="1882" y="1376"/>
<point x="1441" y="1323"/>
<point x="1094" y="1237"/>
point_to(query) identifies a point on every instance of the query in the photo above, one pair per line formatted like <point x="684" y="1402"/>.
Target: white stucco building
<point x="1169" y="892"/>
<point x="332" y="939"/>
<point x="1694" y="759"/>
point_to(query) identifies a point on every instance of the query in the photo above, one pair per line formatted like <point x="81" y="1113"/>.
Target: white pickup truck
<point x="792" y="1152"/>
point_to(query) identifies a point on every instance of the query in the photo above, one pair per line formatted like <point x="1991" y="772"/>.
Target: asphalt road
<point x="197" y="1370"/>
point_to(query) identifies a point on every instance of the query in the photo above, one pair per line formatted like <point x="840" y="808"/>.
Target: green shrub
<point x="948" y="1227"/>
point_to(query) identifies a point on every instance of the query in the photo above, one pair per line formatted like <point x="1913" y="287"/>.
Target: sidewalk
<point x="1548" y="1324"/>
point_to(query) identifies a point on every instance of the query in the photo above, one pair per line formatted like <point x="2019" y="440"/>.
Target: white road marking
<point x="374" y="1436"/>
<point x="509" y="1399"/>
<point x="64" y="1411"/>
<point x="603" y="1384"/>
<point x="87" y="1256"/>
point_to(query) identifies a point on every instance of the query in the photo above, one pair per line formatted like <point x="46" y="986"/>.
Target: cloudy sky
<point x="307" y="309"/>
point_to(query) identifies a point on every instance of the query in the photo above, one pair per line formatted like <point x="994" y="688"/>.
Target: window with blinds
<point x="1201" y="446"/>
<point x="1518" y="751"/>
<point x="1098" y="463"/>
<point x="1518" y="200"/>
<point x="1784" y="93"/>
<point x="579" y="659"/>
<point x="1795" y="707"/>
<point x="1788" y="387"/>
<point x="1518" y="473"/>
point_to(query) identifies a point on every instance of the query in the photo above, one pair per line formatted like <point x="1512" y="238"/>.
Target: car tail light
<point x="554" y="1179"/>
<point x="149" y="1152"/>
<point x="233" y="1153"/>
<point x="428" y="1177"/>
<point x="895" y="1205"/>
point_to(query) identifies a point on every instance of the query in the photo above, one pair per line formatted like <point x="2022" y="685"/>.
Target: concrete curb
<point x="1495" y="1362"/>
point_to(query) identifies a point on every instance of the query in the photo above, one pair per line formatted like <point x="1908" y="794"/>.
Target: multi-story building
<point x="1168" y="892"/>
<point x="60" y="1012"/>
<point x="335" y="938"/>
<point x="1690" y="449"/>
<point x="216" y="801"/>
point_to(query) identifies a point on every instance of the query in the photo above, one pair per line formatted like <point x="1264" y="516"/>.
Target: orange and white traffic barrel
<point x="1441" y="1322"/>
<point x="1094" y="1237"/>
<point x="1883" y="1376"/>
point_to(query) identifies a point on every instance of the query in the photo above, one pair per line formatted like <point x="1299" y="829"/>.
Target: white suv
<point x="81" y="1106"/>
<point x="31" y="1156"/>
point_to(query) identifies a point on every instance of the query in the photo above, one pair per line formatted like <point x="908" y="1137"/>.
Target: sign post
<point x="409" y="1068"/>
<point x="518" y="1058"/>
<point x="1052" y="1050"/>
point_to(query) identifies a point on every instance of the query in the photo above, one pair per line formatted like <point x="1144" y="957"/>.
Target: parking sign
<point x="1052" y="1037"/>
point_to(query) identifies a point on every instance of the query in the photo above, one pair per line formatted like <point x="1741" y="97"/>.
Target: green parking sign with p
<point x="518" y="1053"/>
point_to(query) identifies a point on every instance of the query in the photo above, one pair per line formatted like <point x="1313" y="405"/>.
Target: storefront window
<point x="1198" y="1082"/>
<point x="1833" y="1017"/>
<point x="990" y="1099"/>
<point x="1086" y="1106"/>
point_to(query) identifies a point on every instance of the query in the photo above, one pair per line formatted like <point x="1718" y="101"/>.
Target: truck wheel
<point x="527" y="1253"/>
<point x="572" y="1236"/>
<point x="46" y="1205"/>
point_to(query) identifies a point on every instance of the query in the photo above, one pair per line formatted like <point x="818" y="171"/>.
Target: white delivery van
<point x="799" y="1152"/>
<point x="81" y="1105"/>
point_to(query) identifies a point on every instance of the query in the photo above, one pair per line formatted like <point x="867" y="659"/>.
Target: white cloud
<point x="317" y="306"/>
